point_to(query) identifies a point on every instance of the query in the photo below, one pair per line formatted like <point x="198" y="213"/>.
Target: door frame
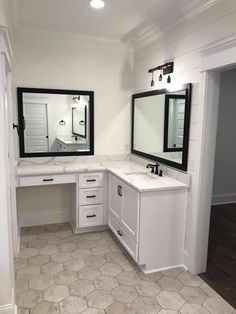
<point x="215" y="58"/>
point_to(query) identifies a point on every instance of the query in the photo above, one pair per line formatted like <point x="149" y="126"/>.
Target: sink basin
<point x="143" y="176"/>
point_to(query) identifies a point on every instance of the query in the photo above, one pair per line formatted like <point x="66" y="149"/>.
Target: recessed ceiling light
<point x="97" y="4"/>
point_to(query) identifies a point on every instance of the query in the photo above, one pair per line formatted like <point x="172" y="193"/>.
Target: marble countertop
<point x="130" y="172"/>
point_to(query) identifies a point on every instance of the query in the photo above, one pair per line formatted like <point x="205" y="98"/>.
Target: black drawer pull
<point x="91" y="180"/>
<point x="119" y="190"/>
<point x="91" y="216"/>
<point x="90" y="196"/>
<point x="120" y="233"/>
<point x="47" y="180"/>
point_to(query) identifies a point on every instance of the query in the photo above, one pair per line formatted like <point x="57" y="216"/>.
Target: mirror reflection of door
<point x="79" y="121"/>
<point x="36" y="127"/>
<point x="174" y="123"/>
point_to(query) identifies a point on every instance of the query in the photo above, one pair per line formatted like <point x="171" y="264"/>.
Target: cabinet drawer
<point x="123" y="236"/>
<point x="90" y="180"/>
<point x="90" y="215"/>
<point x="47" y="179"/>
<point x="90" y="196"/>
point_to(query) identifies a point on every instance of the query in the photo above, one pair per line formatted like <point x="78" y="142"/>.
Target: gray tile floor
<point x="59" y="272"/>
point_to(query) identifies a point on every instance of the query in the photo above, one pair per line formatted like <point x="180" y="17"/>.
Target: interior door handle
<point x="91" y="180"/>
<point x="120" y="233"/>
<point x="47" y="180"/>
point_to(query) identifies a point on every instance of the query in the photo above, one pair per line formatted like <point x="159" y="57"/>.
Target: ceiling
<point x="119" y="19"/>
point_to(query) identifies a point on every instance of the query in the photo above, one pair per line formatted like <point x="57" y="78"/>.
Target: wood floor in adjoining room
<point x="58" y="272"/>
<point x="221" y="266"/>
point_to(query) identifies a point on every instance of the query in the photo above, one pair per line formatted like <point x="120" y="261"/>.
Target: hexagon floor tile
<point x="58" y="272"/>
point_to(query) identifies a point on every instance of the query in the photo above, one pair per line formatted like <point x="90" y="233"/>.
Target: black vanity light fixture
<point x="166" y="68"/>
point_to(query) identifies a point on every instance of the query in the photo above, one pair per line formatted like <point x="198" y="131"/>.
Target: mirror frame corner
<point x="188" y="89"/>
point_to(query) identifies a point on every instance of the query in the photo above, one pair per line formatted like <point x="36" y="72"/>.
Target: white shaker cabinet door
<point x="124" y="205"/>
<point x="130" y="210"/>
<point x="115" y="196"/>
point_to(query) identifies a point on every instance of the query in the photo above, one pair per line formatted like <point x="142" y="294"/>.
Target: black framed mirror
<point x="160" y="125"/>
<point x="55" y="122"/>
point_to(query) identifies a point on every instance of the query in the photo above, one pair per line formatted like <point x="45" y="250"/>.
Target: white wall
<point x="52" y="61"/>
<point x="224" y="187"/>
<point x="183" y="44"/>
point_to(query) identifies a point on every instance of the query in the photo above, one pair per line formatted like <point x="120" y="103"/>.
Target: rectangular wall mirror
<point x="160" y="125"/>
<point x="55" y="122"/>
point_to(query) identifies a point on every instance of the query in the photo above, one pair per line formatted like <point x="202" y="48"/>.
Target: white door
<point x="36" y="128"/>
<point x="6" y="248"/>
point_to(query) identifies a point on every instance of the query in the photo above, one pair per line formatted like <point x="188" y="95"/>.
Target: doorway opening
<point x="221" y="263"/>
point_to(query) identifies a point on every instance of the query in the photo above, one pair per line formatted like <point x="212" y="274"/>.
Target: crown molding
<point x="68" y="38"/>
<point x="194" y="10"/>
<point x="150" y="32"/>
<point x="218" y="45"/>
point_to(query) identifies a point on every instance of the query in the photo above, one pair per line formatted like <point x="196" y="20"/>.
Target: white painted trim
<point x="150" y="32"/>
<point x="208" y="89"/>
<point x="8" y="309"/>
<point x="5" y="44"/>
<point x="60" y="37"/>
<point x="218" y="45"/>
<point x="221" y="59"/>
<point x="162" y="269"/>
<point x="51" y="217"/>
<point x="224" y="198"/>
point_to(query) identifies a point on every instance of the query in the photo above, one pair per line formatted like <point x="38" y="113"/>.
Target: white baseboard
<point x="223" y="199"/>
<point x="162" y="269"/>
<point x="8" y="309"/>
<point x="35" y="219"/>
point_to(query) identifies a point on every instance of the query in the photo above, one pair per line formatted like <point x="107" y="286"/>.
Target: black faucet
<point x="154" y="168"/>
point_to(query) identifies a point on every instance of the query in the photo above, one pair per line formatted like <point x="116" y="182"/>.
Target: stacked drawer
<point x="90" y="199"/>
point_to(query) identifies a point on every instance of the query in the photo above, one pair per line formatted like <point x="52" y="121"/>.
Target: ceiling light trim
<point x="97" y="4"/>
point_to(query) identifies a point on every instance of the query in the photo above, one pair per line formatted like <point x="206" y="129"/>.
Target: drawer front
<point x="90" y="196"/>
<point x="47" y="179"/>
<point x="90" y="216"/>
<point x="123" y="236"/>
<point x="90" y="180"/>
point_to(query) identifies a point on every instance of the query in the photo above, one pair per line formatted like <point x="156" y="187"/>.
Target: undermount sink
<point x="144" y="176"/>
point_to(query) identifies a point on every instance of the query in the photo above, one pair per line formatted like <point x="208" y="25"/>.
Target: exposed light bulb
<point x="97" y="4"/>
<point x="152" y="81"/>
